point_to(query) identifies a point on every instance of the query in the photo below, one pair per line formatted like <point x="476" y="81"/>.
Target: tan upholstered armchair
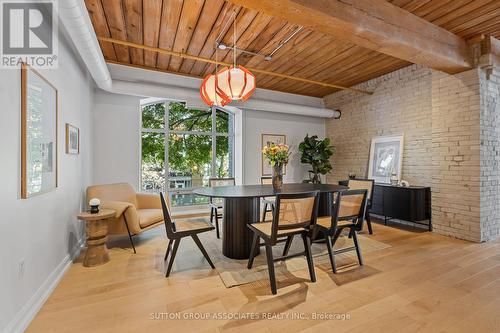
<point x="135" y="212"/>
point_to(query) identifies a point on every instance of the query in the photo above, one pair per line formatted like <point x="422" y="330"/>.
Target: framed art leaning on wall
<point x="38" y="133"/>
<point x="386" y="158"/>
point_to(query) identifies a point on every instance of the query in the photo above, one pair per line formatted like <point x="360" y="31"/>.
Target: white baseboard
<point x="28" y="312"/>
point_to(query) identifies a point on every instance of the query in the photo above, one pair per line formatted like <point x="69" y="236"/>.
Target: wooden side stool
<point x="97" y="233"/>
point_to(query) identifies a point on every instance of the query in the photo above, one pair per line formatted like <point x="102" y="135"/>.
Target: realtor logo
<point x="29" y="33"/>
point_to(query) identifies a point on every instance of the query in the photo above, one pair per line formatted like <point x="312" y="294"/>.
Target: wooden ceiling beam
<point x="377" y="25"/>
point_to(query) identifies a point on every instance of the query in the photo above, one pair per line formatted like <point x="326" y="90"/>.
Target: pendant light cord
<point x="234" y="42"/>
<point x="216" y="59"/>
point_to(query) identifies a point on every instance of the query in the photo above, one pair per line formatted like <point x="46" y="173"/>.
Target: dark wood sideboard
<point x="412" y="204"/>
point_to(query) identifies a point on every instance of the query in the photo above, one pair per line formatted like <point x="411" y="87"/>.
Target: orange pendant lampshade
<point x="210" y="94"/>
<point x="238" y="83"/>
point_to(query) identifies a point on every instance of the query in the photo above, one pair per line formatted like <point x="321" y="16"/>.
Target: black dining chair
<point x="364" y="184"/>
<point x="216" y="205"/>
<point x="178" y="230"/>
<point x="294" y="214"/>
<point x="348" y="211"/>
<point x="267" y="201"/>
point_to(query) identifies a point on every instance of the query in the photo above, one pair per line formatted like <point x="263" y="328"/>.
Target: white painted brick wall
<point x="452" y="141"/>
<point x="490" y="154"/>
<point x="455" y="101"/>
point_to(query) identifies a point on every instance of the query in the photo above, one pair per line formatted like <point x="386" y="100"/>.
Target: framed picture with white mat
<point x="386" y="158"/>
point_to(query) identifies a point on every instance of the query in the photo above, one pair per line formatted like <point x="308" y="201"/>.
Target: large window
<point x="183" y="147"/>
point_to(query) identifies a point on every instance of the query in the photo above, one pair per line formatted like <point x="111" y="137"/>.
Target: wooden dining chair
<point x="178" y="230"/>
<point x="287" y="221"/>
<point x="267" y="201"/>
<point x="364" y="184"/>
<point x="216" y="205"/>
<point x="348" y="211"/>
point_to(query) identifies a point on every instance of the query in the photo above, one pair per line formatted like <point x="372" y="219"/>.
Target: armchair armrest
<point x="149" y="201"/>
<point x="118" y="206"/>
<point x="128" y="211"/>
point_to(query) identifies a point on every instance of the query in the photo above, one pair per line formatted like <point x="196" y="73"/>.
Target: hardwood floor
<point x="423" y="283"/>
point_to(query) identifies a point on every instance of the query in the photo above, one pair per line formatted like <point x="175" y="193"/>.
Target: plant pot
<point x="277" y="177"/>
<point x="314" y="178"/>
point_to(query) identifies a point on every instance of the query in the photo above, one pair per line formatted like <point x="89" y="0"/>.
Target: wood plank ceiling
<point x="193" y="27"/>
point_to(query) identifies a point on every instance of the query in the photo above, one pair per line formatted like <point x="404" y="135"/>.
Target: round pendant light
<point x="230" y="83"/>
<point x="210" y="94"/>
<point x="238" y="83"/>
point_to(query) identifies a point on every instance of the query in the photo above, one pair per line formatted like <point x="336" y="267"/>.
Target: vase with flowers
<point x="278" y="156"/>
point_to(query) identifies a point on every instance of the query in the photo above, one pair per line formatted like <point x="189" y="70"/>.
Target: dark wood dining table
<point x="242" y="206"/>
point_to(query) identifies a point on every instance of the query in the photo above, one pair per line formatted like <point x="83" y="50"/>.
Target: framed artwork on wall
<point x="72" y="140"/>
<point x="38" y="133"/>
<point x="386" y="158"/>
<point x="268" y="140"/>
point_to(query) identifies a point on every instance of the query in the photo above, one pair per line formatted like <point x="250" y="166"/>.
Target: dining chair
<point x="178" y="230"/>
<point x="348" y="211"/>
<point x="267" y="201"/>
<point x="364" y="184"/>
<point x="216" y="205"/>
<point x="287" y="221"/>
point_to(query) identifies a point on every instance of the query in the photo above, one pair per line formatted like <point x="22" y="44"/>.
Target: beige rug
<point x="235" y="272"/>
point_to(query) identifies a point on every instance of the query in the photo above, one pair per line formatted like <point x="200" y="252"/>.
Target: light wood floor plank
<point x="422" y="283"/>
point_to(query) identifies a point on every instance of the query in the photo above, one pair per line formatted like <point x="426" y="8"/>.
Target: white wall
<point x="116" y="138"/>
<point x="117" y="141"/>
<point x="295" y="128"/>
<point x="42" y="230"/>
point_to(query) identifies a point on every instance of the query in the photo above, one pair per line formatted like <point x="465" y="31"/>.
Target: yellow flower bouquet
<point x="277" y="154"/>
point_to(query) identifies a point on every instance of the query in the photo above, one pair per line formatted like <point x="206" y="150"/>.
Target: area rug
<point x="234" y="272"/>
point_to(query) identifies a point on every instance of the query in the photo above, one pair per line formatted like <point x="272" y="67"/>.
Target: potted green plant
<point x="317" y="153"/>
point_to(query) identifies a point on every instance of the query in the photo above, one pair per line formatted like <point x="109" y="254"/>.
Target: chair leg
<point x="264" y="212"/>
<point x="310" y="264"/>
<point x="336" y="236"/>
<point x="358" y="249"/>
<point x="202" y="249"/>
<point x="369" y="223"/>
<point x="270" y="267"/>
<point x="172" y="256"/>
<point x="169" y="246"/>
<point x="287" y="245"/>
<point x="255" y="242"/>
<point x="217" y="223"/>
<point x="331" y="254"/>
<point x="212" y="215"/>
<point x="129" y="234"/>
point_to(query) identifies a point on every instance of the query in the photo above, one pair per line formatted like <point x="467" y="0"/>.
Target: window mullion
<point x="214" y="141"/>
<point x="190" y="132"/>
<point x="167" y="138"/>
<point x="153" y="130"/>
